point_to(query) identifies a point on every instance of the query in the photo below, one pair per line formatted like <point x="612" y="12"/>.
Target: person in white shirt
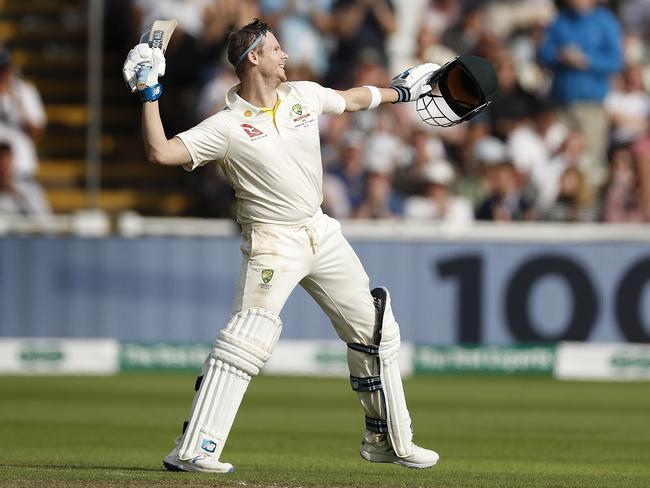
<point x="22" y="117"/>
<point x="438" y="203"/>
<point x="267" y="142"/>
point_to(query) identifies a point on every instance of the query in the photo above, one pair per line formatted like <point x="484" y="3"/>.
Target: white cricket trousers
<point x="315" y="254"/>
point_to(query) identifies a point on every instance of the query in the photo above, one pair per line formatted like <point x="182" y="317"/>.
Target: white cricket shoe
<point x="200" y="463"/>
<point x="378" y="450"/>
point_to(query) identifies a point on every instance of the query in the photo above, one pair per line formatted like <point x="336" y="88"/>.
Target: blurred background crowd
<point x="567" y="138"/>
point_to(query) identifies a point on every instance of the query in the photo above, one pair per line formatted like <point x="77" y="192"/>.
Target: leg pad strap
<point x="371" y="383"/>
<point x="378" y="426"/>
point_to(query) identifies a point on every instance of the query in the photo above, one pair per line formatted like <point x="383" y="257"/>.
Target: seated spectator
<point x="336" y="201"/>
<point x="379" y="202"/>
<point x="507" y="199"/>
<point x="423" y="147"/>
<point x="17" y="197"/>
<point x="621" y="194"/>
<point x="437" y="201"/>
<point x="628" y="106"/>
<point x="575" y="202"/>
<point x="22" y="116"/>
<point x="350" y="168"/>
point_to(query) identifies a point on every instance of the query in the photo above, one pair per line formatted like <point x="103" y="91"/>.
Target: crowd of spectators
<point x="567" y="137"/>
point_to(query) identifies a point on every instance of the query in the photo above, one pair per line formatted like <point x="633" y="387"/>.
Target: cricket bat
<point x="158" y="35"/>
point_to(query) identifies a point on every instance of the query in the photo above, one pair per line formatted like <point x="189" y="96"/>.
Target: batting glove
<point x="413" y="83"/>
<point x="141" y="70"/>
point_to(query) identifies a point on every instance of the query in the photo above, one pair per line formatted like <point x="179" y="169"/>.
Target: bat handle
<point x="143" y="73"/>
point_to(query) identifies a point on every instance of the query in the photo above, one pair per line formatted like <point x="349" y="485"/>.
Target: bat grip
<point x="143" y="73"/>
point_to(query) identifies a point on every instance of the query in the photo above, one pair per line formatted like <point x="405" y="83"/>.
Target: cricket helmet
<point x="465" y="86"/>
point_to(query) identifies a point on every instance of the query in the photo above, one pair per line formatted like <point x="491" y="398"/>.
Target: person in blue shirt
<point x="583" y="49"/>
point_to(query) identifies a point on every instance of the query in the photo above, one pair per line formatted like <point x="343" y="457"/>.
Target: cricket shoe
<point x="200" y="463"/>
<point x="380" y="451"/>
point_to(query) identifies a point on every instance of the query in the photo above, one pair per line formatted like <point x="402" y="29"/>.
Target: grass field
<point x="295" y="432"/>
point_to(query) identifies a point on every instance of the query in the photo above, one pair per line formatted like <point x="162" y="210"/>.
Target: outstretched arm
<point x="359" y="98"/>
<point x="407" y="86"/>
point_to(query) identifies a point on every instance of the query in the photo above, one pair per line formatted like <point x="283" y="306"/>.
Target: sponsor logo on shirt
<point x="253" y="132"/>
<point x="303" y="116"/>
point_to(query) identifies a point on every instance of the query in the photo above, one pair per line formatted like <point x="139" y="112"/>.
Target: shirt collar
<point x="238" y="104"/>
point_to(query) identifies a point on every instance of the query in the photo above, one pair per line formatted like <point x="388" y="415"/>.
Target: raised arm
<point x="158" y="148"/>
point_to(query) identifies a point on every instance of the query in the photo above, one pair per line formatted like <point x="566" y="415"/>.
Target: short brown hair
<point x="239" y="40"/>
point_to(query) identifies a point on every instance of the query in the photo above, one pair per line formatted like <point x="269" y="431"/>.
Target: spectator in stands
<point x="22" y="116"/>
<point x="511" y="96"/>
<point x="350" y="168"/>
<point x="526" y="149"/>
<point x="336" y="201"/>
<point x="409" y="179"/>
<point x="302" y="26"/>
<point x="480" y="178"/>
<point x="583" y="49"/>
<point x="575" y="200"/>
<point x="379" y="200"/>
<point x="360" y="26"/>
<point x="17" y="197"/>
<point x="620" y="199"/>
<point x="437" y="201"/>
<point x="628" y="106"/>
<point x="507" y="200"/>
<point x="470" y="35"/>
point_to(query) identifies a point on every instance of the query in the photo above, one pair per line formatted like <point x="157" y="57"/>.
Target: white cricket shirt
<point x="271" y="157"/>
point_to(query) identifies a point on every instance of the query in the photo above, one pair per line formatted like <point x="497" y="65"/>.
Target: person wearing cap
<point x="267" y="141"/>
<point x="437" y="202"/>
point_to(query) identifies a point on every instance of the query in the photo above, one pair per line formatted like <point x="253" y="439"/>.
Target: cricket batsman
<point x="267" y="142"/>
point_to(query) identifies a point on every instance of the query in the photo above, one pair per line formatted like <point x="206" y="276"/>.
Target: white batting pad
<point x="240" y="351"/>
<point x="397" y="414"/>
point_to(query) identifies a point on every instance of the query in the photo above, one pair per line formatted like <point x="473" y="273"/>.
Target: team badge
<point x="267" y="275"/>
<point x="297" y="109"/>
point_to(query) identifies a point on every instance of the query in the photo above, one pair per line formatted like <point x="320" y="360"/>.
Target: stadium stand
<point x="48" y="42"/>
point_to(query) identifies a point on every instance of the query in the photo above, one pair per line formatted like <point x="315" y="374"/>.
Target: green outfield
<point x="295" y="432"/>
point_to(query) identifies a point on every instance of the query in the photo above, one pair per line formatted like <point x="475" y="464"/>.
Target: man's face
<point x="272" y="59"/>
<point x="583" y="5"/>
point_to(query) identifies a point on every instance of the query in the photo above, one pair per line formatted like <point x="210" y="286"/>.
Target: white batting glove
<point x="143" y="66"/>
<point x="413" y="83"/>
